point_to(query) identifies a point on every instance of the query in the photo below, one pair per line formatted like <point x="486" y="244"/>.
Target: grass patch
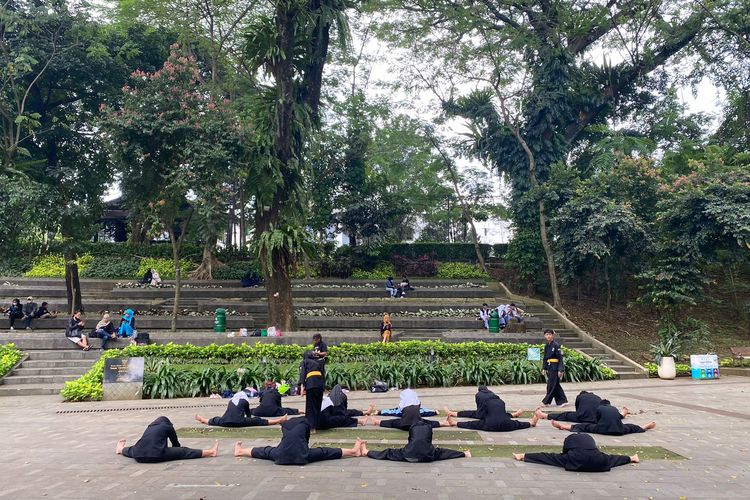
<point x="332" y="434"/>
<point x="506" y="450"/>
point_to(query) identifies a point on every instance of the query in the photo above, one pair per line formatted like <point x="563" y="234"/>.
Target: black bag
<point x="142" y="338"/>
<point x="379" y="386"/>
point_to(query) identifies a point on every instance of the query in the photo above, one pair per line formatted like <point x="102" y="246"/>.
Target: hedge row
<point x="412" y="359"/>
<point x="9" y="356"/>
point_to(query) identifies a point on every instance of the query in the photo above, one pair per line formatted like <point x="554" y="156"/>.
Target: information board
<point x="534" y="354"/>
<point x="123" y="379"/>
<point x="704" y="366"/>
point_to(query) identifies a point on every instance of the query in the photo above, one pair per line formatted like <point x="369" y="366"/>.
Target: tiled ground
<point x="46" y="454"/>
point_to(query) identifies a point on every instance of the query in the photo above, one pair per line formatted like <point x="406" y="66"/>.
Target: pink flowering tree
<point x="176" y="142"/>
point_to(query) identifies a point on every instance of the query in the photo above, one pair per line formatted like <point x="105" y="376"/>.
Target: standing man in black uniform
<point x="553" y="367"/>
<point x="320" y="350"/>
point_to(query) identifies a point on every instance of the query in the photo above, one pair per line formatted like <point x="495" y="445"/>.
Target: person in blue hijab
<point x="127" y="324"/>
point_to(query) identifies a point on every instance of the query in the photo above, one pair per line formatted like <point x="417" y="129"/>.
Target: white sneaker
<point x="11" y="328"/>
<point x="563" y="405"/>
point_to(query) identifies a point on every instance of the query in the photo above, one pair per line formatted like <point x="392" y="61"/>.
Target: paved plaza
<point x="49" y="454"/>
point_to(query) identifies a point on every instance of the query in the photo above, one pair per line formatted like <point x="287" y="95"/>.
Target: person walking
<point x="553" y="367"/>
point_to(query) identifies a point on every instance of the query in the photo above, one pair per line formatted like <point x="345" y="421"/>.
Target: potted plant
<point x="666" y="351"/>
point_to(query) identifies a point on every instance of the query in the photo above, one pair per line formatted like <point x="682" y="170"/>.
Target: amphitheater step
<point x="38" y="379"/>
<point x="30" y="389"/>
<point x="45" y="372"/>
<point x="61" y="371"/>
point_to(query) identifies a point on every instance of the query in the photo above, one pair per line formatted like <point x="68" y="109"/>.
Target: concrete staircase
<point x="45" y="372"/>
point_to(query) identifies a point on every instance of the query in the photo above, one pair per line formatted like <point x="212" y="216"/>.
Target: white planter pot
<point x="667" y="369"/>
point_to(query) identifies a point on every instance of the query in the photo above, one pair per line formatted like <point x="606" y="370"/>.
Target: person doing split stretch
<point x="270" y="403"/>
<point x="608" y="421"/>
<point x="491" y="414"/>
<point x="294" y="448"/>
<point x="419" y="448"/>
<point x="410" y="414"/>
<point x="238" y="414"/>
<point x="334" y="412"/>
<point x="152" y="447"/>
<point x="579" y="454"/>
<point x="586" y="405"/>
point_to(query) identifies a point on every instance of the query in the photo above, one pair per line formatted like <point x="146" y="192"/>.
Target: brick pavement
<point x="46" y="454"/>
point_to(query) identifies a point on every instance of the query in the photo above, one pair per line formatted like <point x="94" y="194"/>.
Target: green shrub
<point x="14" y="267"/>
<point x="9" y="356"/>
<point x="53" y="266"/>
<point x="235" y="270"/>
<point x="683" y="369"/>
<point x="460" y="270"/>
<point x="298" y="272"/>
<point x="381" y="272"/>
<point x="172" y="371"/>
<point x="113" y="268"/>
<point x="165" y="267"/>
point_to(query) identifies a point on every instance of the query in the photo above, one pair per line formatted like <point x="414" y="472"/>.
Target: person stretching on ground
<point x="586" y="406"/>
<point x="152" y="447"/>
<point x="419" y="448"/>
<point x="410" y="414"/>
<point x="579" y="454"/>
<point x="294" y="448"/>
<point x="238" y="414"/>
<point x="334" y="412"/>
<point x="270" y="403"/>
<point x="608" y="421"/>
<point x="490" y="414"/>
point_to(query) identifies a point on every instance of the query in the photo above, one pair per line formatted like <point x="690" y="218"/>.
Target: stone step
<point x="57" y="363"/>
<point x="41" y="379"/>
<point x="30" y="389"/>
<point x="64" y="355"/>
<point x="64" y="370"/>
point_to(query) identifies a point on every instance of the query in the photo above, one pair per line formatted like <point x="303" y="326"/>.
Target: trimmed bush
<point x="460" y="270"/>
<point x="15" y="267"/>
<point x="53" y="266"/>
<point x="381" y="272"/>
<point x="165" y="267"/>
<point x="172" y="370"/>
<point x="113" y="268"/>
<point x="9" y="356"/>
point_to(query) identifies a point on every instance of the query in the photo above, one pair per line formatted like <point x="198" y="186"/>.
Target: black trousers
<point x="246" y="422"/>
<point x="566" y="416"/>
<point x="397" y="455"/>
<point x="490" y="426"/>
<point x="277" y="412"/>
<point x="170" y="454"/>
<point x="313" y="401"/>
<point x="554" y="389"/>
<point x="331" y="422"/>
<point x="560" y="460"/>
<point x="595" y="429"/>
<point x="313" y="454"/>
<point x="397" y="423"/>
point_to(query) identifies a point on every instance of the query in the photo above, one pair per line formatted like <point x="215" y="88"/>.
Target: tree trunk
<point x="279" y="293"/>
<point x="608" y="281"/>
<point x="243" y="219"/>
<point x="556" y="302"/>
<point x="177" y="276"/>
<point x="72" y="282"/>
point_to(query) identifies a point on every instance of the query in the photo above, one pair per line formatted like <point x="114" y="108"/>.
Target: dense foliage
<point x="9" y="357"/>
<point x="185" y="370"/>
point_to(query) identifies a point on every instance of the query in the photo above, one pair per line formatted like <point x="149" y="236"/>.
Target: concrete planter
<point x="667" y="369"/>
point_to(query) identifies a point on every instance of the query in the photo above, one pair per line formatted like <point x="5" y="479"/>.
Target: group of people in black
<point x="592" y="415"/>
<point x="27" y="312"/>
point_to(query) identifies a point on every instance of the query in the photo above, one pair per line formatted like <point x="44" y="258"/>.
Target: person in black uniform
<point x="579" y="454"/>
<point x="553" y="367"/>
<point x="320" y="350"/>
<point x="152" y="447"/>
<point x="294" y="448"/>
<point x="419" y="448"/>
<point x="270" y="403"/>
<point x="586" y="406"/>
<point x="490" y="414"/>
<point x="608" y="421"/>
<point x="410" y="414"/>
<point x="313" y="384"/>
<point x="334" y="412"/>
<point x="238" y="414"/>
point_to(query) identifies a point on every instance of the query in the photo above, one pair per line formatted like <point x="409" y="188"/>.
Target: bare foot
<point x="517" y="414"/>
<point x="467" y="453"/>
<point x="649" y="426"/>
<point x="370" y="409"/>
<point x="540" y="414"/>
<point x="556" y="424"/>
<point x="120" y="446"/>
<point x="519" y="456"/>
<point x="238" y="449"/>
<point x="200" y="419"/>
<point x="375" y="421"/>
<point x="358" y="447"/>
<point x="213" y="451"/>
<point x="451" y="421"/>
<point x="634" y="459"/>
<point x="534" y="420"/>
<point x="363" y="421"/>
<point x="624" y="412"/>
<point x="363" y="448"/>
<point x="283" y="418"/>
<point x="449" y="413"/>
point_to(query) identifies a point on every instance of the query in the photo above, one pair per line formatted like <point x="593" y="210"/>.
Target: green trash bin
<point x="494" y="323"/>
<point x="220" y="320"/>
<point x="264" y="333"/>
